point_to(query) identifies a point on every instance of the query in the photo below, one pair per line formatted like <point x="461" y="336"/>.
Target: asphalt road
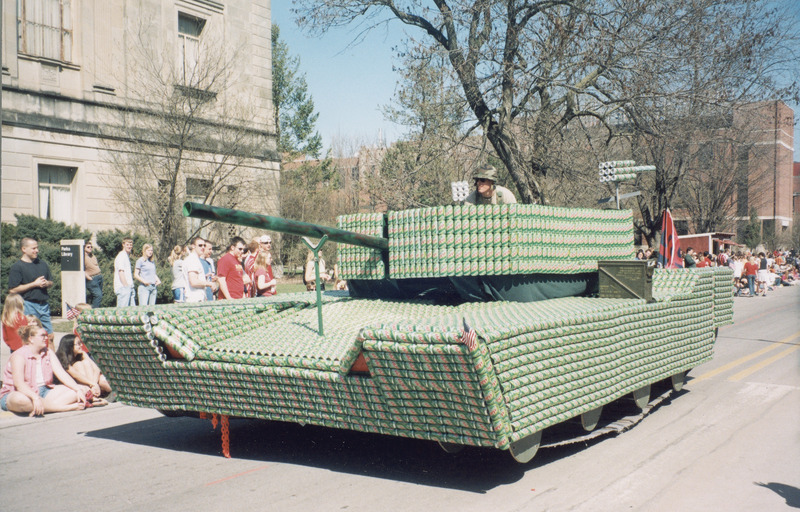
<point x="730" y="441"/>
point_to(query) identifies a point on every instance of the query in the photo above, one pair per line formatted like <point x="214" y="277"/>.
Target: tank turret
<point x="459" y="253"/>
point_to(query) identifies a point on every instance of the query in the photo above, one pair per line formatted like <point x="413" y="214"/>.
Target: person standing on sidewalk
<point x="123" y="276"/>
<point x="145" y="273"/>
<point x="209" y="269"/>
<point x="94" y="278"/>
<point x="195" y="276"/>
<point x="31" y="278"/>
<point x="230" y="273"/>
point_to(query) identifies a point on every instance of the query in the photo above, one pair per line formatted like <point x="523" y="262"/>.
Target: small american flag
<point x="469" y="337"/>
<point x="72" y="312"/>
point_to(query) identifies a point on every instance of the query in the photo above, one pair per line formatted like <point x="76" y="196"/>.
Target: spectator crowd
<point x="38" y="378"/>
<point x="754" y="274"/>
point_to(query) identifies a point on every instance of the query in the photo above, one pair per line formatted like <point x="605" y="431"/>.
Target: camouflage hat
<point x="486" y="172"/>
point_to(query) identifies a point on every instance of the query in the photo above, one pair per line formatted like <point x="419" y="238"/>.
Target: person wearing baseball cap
<point x="486" y="189"/>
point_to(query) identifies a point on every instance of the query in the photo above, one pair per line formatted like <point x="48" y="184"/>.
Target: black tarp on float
<point x="452" y="290"/>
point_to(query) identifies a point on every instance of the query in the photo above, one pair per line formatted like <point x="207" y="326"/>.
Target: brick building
<point x="770" y="169"/>
<point x="796" y="188"/>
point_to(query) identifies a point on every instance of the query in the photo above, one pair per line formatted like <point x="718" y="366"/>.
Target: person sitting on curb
<point x="28" y="379"/>
<point x="81" y="367"/>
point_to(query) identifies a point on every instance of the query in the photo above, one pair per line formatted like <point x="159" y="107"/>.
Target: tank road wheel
<point x="641" y="396"/>
<point x="451" y="447"/>
<point x="589" y="419"/>
<point x="524" y="449"/>
<point x="678" y="381"/>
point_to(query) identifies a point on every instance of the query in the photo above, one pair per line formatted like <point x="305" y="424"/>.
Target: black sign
<point x="71" y="257"/>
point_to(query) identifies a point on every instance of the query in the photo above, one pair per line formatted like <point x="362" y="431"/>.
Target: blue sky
<point x="350" y="83"/>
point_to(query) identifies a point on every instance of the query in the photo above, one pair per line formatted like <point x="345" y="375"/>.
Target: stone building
<point x="107" y="105"/>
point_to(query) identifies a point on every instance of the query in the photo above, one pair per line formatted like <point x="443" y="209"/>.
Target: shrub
<point x="49" y="234"/>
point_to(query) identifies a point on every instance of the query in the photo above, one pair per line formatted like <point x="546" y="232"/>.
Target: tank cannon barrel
<point x="281" y="225"/>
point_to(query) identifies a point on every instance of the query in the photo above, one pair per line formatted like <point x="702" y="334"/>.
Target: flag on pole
<point x="72" y="312"/>
<point x="469" y="337"/>
<point x="670" y="245"/>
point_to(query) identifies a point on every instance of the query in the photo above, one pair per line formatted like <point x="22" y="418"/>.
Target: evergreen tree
<point x="752" y="232"/>
<point x="294" y="108"/>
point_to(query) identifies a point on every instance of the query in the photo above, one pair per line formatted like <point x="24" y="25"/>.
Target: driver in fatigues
<point x="486" y="190"/>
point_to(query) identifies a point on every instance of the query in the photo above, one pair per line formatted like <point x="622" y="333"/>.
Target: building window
<point x="55" y="193"/>
<point x="189" y="30"/>
<point x="197" y="191"/>
<point x="45" y="28"/>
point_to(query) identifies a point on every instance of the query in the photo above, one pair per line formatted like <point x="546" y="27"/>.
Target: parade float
<point x="466" y="325"/>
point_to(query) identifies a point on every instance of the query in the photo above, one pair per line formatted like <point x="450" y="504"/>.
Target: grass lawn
<point x="291" y="287"/>
<point x="62" y="325"/>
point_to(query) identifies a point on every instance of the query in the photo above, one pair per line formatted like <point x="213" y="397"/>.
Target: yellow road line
<point x="742" y="360"/>
<point x="744" y="373"/>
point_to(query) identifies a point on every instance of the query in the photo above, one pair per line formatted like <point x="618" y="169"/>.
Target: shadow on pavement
<point x="373" y="455"/>
<point x="787" y="492"/>
<point x="378" y="456"/>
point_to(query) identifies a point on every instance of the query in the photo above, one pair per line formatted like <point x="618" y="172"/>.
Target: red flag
<point x="469" y="337"/>
<point x="668" y="252"/>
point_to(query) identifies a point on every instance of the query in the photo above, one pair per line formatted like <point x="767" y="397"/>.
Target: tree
<point x="293" y="106"/>
<point x="704" y="81"/>
<point x="417" y="171"/>
<point x="529" y="69"/>
<point x="310" y="192"/>
<point x="752" y="232"/>
<point x="184" y="135"/>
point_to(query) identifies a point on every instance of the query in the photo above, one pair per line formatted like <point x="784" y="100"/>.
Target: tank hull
<point x="409" y="368"/>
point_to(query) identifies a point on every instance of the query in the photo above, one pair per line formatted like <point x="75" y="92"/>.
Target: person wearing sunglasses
<point x="486" y="189"/>
<point x="230" y="272"/>
<point x="196" y="282"/>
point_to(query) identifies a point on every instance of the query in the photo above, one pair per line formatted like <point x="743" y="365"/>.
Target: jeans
<point x="94" y="288"/>
<point x="178" y="295"/>
<point x="125" y="297"/>
<point x="751" y="285"/>
<point x="40" y="311"/>
<point x="147" y="295"/>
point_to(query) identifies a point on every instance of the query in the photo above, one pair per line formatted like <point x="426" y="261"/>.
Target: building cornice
<point x="114" y="131"/>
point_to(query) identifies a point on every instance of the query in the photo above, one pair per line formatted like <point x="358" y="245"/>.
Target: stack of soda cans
<point x="361" y="262"/>
<point x="469" y="240"/>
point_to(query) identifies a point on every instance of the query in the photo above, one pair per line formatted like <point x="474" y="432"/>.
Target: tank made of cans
<point x="480" y="326"/>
